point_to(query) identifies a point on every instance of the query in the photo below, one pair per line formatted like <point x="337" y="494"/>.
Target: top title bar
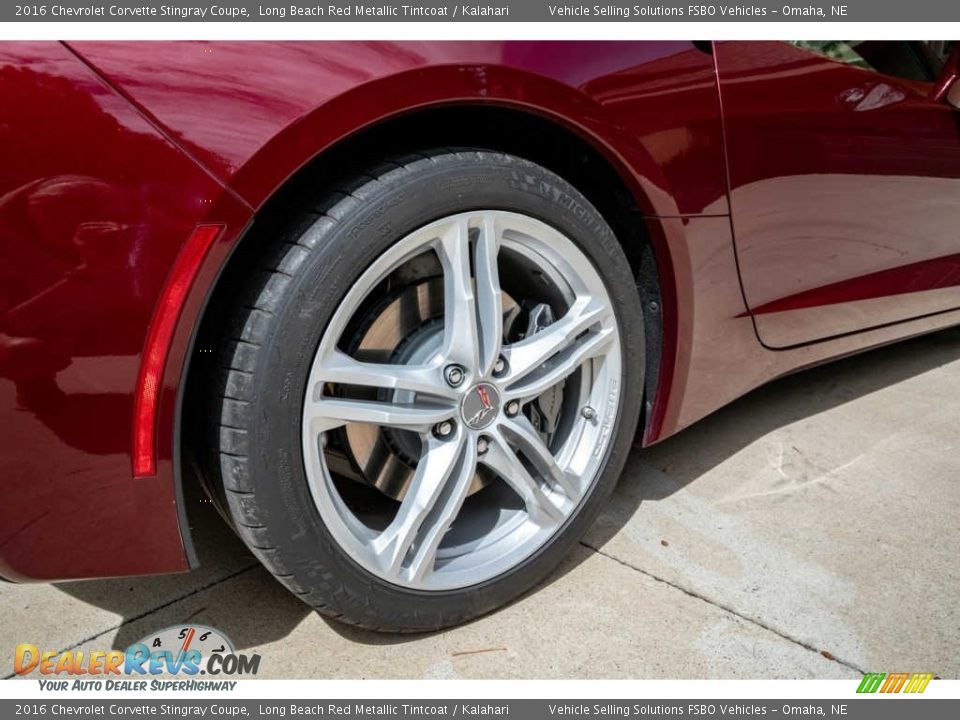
<point x="495" y="11"/>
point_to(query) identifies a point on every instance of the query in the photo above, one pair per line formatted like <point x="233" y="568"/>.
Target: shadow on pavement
<point x="683" y="459"/>
<point x="223" y="557"/>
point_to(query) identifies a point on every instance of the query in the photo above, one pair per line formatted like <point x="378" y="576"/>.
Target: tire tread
<point x="245" y="342"/>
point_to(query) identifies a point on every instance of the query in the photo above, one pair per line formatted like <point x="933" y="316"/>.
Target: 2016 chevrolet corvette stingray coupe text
<point x="403" y="307"/>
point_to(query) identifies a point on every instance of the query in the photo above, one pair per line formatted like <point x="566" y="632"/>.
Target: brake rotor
<point x="408" y="330"/>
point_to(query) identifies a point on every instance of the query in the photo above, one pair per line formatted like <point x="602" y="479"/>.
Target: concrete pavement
<point x="810" y="529"/>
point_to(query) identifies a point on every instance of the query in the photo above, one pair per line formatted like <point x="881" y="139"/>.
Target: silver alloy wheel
<point x="439" y="539"/>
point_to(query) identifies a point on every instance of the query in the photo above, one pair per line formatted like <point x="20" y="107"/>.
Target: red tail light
<point x="159" y="337"/>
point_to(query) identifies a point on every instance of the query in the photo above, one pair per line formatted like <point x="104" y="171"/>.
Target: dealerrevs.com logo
<point x="179" y="650"/>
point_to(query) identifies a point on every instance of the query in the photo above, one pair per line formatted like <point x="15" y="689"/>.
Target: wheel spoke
<point x="560" y="366"/>
<point x="425" y="379"/>
<point x="501" y="458"/>
<point x="461" y="334"/>
<point x="489" y="299"/>
<point x="432" y="302"/>
<point x="530" y="353"/>
<point x="327" y="413"/>
<point x="434" y="468"/>
<point x="522" y="435"/>
<point x="444" y="512"/>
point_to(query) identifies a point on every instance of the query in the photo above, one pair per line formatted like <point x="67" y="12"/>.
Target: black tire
<point x="273" y="337"/>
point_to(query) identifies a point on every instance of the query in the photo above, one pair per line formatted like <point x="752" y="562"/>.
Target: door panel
<point x="845" y="191"/>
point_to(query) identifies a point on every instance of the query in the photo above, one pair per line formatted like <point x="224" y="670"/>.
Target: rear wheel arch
<point x="525" y="134"/>
<point x="406" y="223"/>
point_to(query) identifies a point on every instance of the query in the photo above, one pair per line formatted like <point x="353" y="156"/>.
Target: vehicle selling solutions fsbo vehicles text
<point x="692" y="11"/>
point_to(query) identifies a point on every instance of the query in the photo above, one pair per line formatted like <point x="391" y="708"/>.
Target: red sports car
<point x="402" y="308"/>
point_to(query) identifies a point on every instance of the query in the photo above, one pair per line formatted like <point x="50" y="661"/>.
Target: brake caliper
<point x="544" y="411"/>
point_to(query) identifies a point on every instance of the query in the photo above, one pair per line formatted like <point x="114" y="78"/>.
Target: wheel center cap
<point x="480" y="406"/>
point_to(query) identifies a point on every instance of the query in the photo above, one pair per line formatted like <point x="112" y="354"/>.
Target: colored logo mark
<point x="894" y="682"/>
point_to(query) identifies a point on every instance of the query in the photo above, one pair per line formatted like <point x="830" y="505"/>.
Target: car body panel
<point x="255" y="112"/>
<point x="718" y="357"/>
<point x="94" y="203"/>
<point x="845" y="189"/>
<point x="123" y="148"/>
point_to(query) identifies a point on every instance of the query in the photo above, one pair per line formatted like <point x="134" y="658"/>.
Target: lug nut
<point x="443" y="429"/>
<point x="588" y="412"/>
<point x="499" y="366"/>
<point x="482" y="445"/>
<point x="454" y="375"/>
<point x="512" y="408"/>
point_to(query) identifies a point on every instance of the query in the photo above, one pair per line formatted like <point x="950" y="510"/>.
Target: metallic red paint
<point x="949" y="77"/>
<point x="256" y="112"/>
<point x="718" y="357"/>
<point x="123" y="148"/>
<point x="95" y="202"/>
<point x="908" y="280"/>
<point x="844" y="183"/>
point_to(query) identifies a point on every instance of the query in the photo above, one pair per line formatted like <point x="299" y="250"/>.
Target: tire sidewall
<point x="344" y="242"/>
